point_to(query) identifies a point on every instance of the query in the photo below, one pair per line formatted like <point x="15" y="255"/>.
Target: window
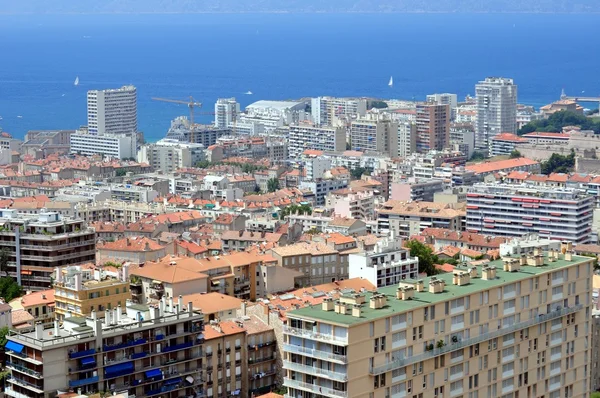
<point x="376" y="346"/>
<point x="509" y="306"/>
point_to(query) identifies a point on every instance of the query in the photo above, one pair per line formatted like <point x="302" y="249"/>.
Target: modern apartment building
<point x="351" y="203"/>
<point x="514" y="327"/>
<point x="516" y="210"/>
<point x="444" y="99"/>
<point x="505" y="143"/>
<point x="168" y="155"/>
<point x="406" y="219"/>
<point x="37" y="244"/>
<point x="143" y="351"/>
<point x="318" y="262"/>
<point x="306" y="136"/>
<point x="387" y="264"/>
<point x="433" y="127"/>
<point x="325" y="109"/>
<point x="496" y="109"/>
<point x="462" y="137"/>
<point x="407" y="139"/>
<point x="116" y="146"/>
<point x="375" y="134"/>
<point x="226" y="111"/>
<point x="112" y="111"/>
<point x="321" y="187"/>
<point x="80" y="290"/>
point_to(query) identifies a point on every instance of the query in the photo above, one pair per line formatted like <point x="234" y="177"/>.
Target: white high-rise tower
<point x="496" y="109"/>
<point x="226" y="111"/>
<point x="112" y="111"/>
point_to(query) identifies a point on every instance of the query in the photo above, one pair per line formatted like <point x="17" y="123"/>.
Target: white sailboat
<point x="248" y="93"/>
<point x="391" y="83"/>
<point x="76" y="83"/>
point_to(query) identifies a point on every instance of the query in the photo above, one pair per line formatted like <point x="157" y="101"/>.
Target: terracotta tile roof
<point x="342" y="222"/>
<point x="470" y="238"/>
<point x="133" y="244"/>
<point x="35" y="299"/>
<point x="211" y="303"/>
<point x="428" y="209"/>
<point x="339" y="239"/>
<point x="313" y="152"/>
<point x="508" y="137"/>
<point x="304" y="248"/>
<point x="226" y="328"/>
<point x="248" y="236"/>
<point x="449" y="251"/>
<point x="558" y="177"/>
<point x="543" y="134"/>
<point x="171" y="270"/>
<point x="587" y="248"/>
<point x="269" y="395"/>
<point x="470" y="253"/>
<point x="445" y="267"/>
<point x="499" y="165"/>
<point x="518" y="175"/>
<point x="20" y="317"/>
<point x="192" y="247"/>
<point x="224" y="219"/>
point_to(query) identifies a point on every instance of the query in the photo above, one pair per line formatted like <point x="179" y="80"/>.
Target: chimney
<point x="244" y="304"/>
<point x="161" y="306"/>
<point x="56" y="328"/>
<point x="190" y="309"/>
<point x="119" y="313"/>
<point x="180" y="303"/>
<point x="125" y="272"/>
<point x="155" y="314"/>
<point x="171" y="305"/>
<point x="39" y="331"/>
<point x="114" y="317"/>
<point x="327" y="304"/>
<point x="128" y="242"/>
<point x="356" y="310"/>
<point x="569" y="255"/>
<point x="488" y="273"/>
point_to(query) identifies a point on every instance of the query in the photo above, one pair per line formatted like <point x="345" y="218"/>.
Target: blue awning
<point x="173" y="381"/>
<point x="153" y="373"/>
<point x="119" y="369"/>
<point x="88" y="361"/>
<point x="12" y="346"/>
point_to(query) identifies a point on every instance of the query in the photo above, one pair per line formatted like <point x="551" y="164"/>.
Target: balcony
<point x="34" y="387"/>
<point x="314" y="388"/>
<point x="469" y="342"/>
<point x="312" y="335"/>
<point x="318" y="354"/>
<point x="83" y="382"/>
<point x="12" y="393"/>
<point x="23" y="369"/>
<point x="328" y="374"/>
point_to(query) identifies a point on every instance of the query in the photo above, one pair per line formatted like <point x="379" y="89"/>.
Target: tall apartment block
<point x="37" y="244"/>
<point x="407" y="139"/>
<point x="144" y="351"/>
<point x="445" y="99"/>
<point x="513" y="211"/>
<point x="496" y="109"/>
<point x="305" y="136"/>
<point x="387" y="264"/>
<point x="433" y="127"/>
<point x="517" y="327"/>
<point x="168" y="155"/>
<point x="226" y="111"/>
<point x="112" y="111"/>
<point x="326" y="109"/>
<point x="375" y="134"/>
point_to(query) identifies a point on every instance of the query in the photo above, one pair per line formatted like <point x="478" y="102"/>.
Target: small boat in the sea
<point x="391" y="83"/>
<point x="248" y="92"/>
<point x="76" y="83"/>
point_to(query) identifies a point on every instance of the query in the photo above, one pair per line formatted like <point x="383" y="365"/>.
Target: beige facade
<point x="518" y="327"/>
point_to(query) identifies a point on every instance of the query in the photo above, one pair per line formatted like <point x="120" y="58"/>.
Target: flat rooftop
<point x="395" y="306"/>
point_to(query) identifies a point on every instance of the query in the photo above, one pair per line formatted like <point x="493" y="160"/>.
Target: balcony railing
<point x="82" y="382"/>
<point x="23" y="369"/>
<point x="12" y="393"/>
<point x="314" y="388"/>
<point x="469" y="342"/>
<point x="295" y="349"/>
<point x="37" y="388"/>
<point x="315" y="371"/>
<point x="309" y="334"/>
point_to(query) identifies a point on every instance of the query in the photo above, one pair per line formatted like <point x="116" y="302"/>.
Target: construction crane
<point x="190" y="104"/>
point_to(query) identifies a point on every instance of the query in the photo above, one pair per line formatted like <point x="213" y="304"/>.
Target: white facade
<point x="386" y="265"/>
<point x="322" y="187"/>
<point x="112" y="111"/>
<point x="316" y="167"/>
<point x="516" y="210"/>
<point x="496" y="109"/>
<point x="168" y="155"/>
<point x="325" y="109"/>
<point x="117" y="146"/>
<point x="226" y="111"/>
<point x="407" y="139"/>
<point x="303" y="136"/>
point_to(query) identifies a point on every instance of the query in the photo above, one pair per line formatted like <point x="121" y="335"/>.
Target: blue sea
<point x="280" y="56"/>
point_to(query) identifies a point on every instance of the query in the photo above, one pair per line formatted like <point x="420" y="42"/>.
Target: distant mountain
<point x="278" y="6"/>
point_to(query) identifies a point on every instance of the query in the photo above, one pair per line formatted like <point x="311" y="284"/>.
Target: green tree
<point x="357" y="172"/>
<point x="121" y="173"/>
<point x="558" y="120"/>
<point x="203" y="164"/>
<point x="595" y="395"/>
<point x="477" y="156"/>
<point x="515" y="154"/>
<point x="425" y="255"/>
<point x="273" y="185"/>
<point x="3" y="333"/>
<point x="9" y="289"/>
<point x="559" y="163"/>
<point x="4" y="259"/>
<point x="377" y="104"/>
